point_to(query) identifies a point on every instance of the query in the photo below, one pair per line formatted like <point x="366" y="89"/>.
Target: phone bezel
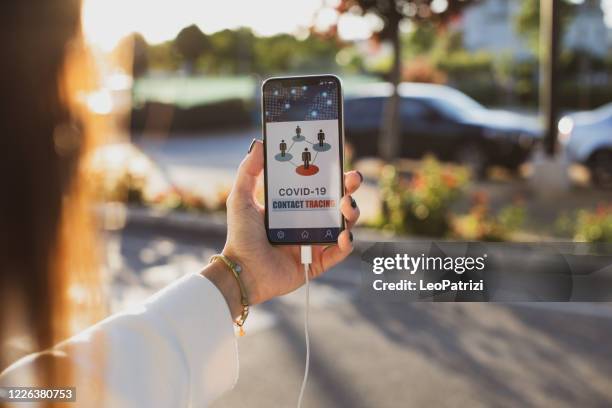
<point x="300" y="81"/>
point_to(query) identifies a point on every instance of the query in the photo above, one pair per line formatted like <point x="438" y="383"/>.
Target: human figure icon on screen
<point x="283" y="148"/>
<point x="298" y="131"/>
<point x="306" y="158"/>
<point x="321" y="137"/>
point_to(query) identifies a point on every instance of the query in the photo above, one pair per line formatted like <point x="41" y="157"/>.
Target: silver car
<point x="587" y="137"/>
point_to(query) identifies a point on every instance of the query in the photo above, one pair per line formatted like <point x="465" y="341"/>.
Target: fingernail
<point x="252" y="144"/>
<point x="351" y="236"/>
<point x="353" y="203"/>
<point x="360" y="175"/>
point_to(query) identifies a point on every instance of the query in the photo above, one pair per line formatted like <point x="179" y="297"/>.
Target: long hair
<point x="49" y="284"/>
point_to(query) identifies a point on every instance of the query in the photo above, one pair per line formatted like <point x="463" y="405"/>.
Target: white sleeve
<point x="177" y="350"/>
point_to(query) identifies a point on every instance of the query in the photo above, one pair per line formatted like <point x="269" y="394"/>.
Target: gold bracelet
<point x="244" y="299"/>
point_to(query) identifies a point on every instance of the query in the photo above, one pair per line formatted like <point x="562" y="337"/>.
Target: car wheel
<point x="474" y="158"/>
<point x="601" y="168"/>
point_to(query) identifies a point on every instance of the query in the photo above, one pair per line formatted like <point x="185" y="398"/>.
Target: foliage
<point x="421" y="204"/>
<point x="393" y="12"/>
<point x="191" y="43"/>
<point x="420" y="69"/>
<point x="502" y="80"/>
<point x="462" y="64"/>
<point x="527" y="20"/>
<point x="480" y="225"/>
<point x="240" y="51"/>
<point x="176" y="199"/>
<point x="123" y="187"/>
<point x="421" y="40"/>
<point x="125" y="175"/>
<point x="588" y="225"/>
<point x="350" y="60"/>
<point x="230" y="51"/>
<point x="427" y="17"/>
<point x="163" y="57"/>
<point x="499" y="79"/>
<point x="290" y="54"/>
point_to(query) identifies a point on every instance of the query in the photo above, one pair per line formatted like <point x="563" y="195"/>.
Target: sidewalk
<point x="381" y="354"/>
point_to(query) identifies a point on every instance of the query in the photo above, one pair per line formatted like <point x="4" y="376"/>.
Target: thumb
<point x="249" y="171"/>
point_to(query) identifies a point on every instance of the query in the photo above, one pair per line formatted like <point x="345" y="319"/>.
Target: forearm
<point x="171" y="344"/>
<point x="218" y="273"/>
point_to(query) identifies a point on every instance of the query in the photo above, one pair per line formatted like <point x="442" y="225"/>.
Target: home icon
<point x="304" y="234"/>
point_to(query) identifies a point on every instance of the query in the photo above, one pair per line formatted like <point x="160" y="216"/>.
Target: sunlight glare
<point x="106" y="22"/>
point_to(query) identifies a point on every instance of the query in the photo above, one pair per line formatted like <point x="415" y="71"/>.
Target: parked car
<point x="587" y="137"/>
<point x="443" y="121"/>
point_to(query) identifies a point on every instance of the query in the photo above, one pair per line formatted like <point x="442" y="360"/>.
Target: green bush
<point x="420" y="205"/>
<point x="479" y="224"/>
<point x="463" y="64"/>
<point x="587" y="225"/>
<point x="594" y="226"/>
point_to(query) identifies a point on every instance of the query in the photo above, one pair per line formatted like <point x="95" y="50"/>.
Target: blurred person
<point x="178" y="348"/>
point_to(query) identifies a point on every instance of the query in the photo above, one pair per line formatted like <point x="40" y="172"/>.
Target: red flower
<point x="450" y="180"/>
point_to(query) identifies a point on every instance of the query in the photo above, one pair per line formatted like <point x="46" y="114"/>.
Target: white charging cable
<point x="306" y="255"/>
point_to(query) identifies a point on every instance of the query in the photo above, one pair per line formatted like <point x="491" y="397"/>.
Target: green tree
<point x="232" y="51"/>
<point x="527" y="20"/>
<point x="284" y="53"/>
<point x="163" y="57"/>
<point x="191" y="43"/>
<point x="393" y="13"/>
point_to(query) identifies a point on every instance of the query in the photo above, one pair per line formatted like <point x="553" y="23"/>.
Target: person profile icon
<point x="321" y="137"/>
<point x="298" y="131"/>
<point x="306" y="158"/>
<point x="283" y="148"/>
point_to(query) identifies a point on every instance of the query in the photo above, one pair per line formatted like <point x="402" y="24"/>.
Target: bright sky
<point x="107" y="21"/>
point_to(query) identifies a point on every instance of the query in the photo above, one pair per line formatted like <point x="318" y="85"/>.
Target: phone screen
<point x="303" y="143"/>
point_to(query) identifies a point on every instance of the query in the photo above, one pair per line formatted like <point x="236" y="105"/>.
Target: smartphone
<point x="303" y="171"/>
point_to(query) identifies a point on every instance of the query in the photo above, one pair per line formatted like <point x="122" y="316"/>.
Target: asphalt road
<point x="371" y="354"/>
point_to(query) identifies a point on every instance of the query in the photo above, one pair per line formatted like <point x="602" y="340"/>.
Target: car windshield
<point x="604" y="111"/>
<point x="603" y="114"/>
<point x="457" y="105"/>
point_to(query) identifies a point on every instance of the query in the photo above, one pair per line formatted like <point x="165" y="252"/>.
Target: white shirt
<point x="178" y="349"/>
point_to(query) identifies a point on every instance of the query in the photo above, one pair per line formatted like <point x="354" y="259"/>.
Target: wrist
<point x="218" y="273"/>
<point x="248" y="279"/>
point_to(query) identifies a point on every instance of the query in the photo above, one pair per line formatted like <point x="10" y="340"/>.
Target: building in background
<point x="490" y="25"/>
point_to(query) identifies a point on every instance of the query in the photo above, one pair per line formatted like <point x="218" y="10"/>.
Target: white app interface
<point x="303" y="162"/>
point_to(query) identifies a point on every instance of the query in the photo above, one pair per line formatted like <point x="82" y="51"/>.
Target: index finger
<point x="352" y="181"/>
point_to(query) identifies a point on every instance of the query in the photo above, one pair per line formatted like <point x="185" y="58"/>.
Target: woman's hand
<point x="270" y="271"/>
